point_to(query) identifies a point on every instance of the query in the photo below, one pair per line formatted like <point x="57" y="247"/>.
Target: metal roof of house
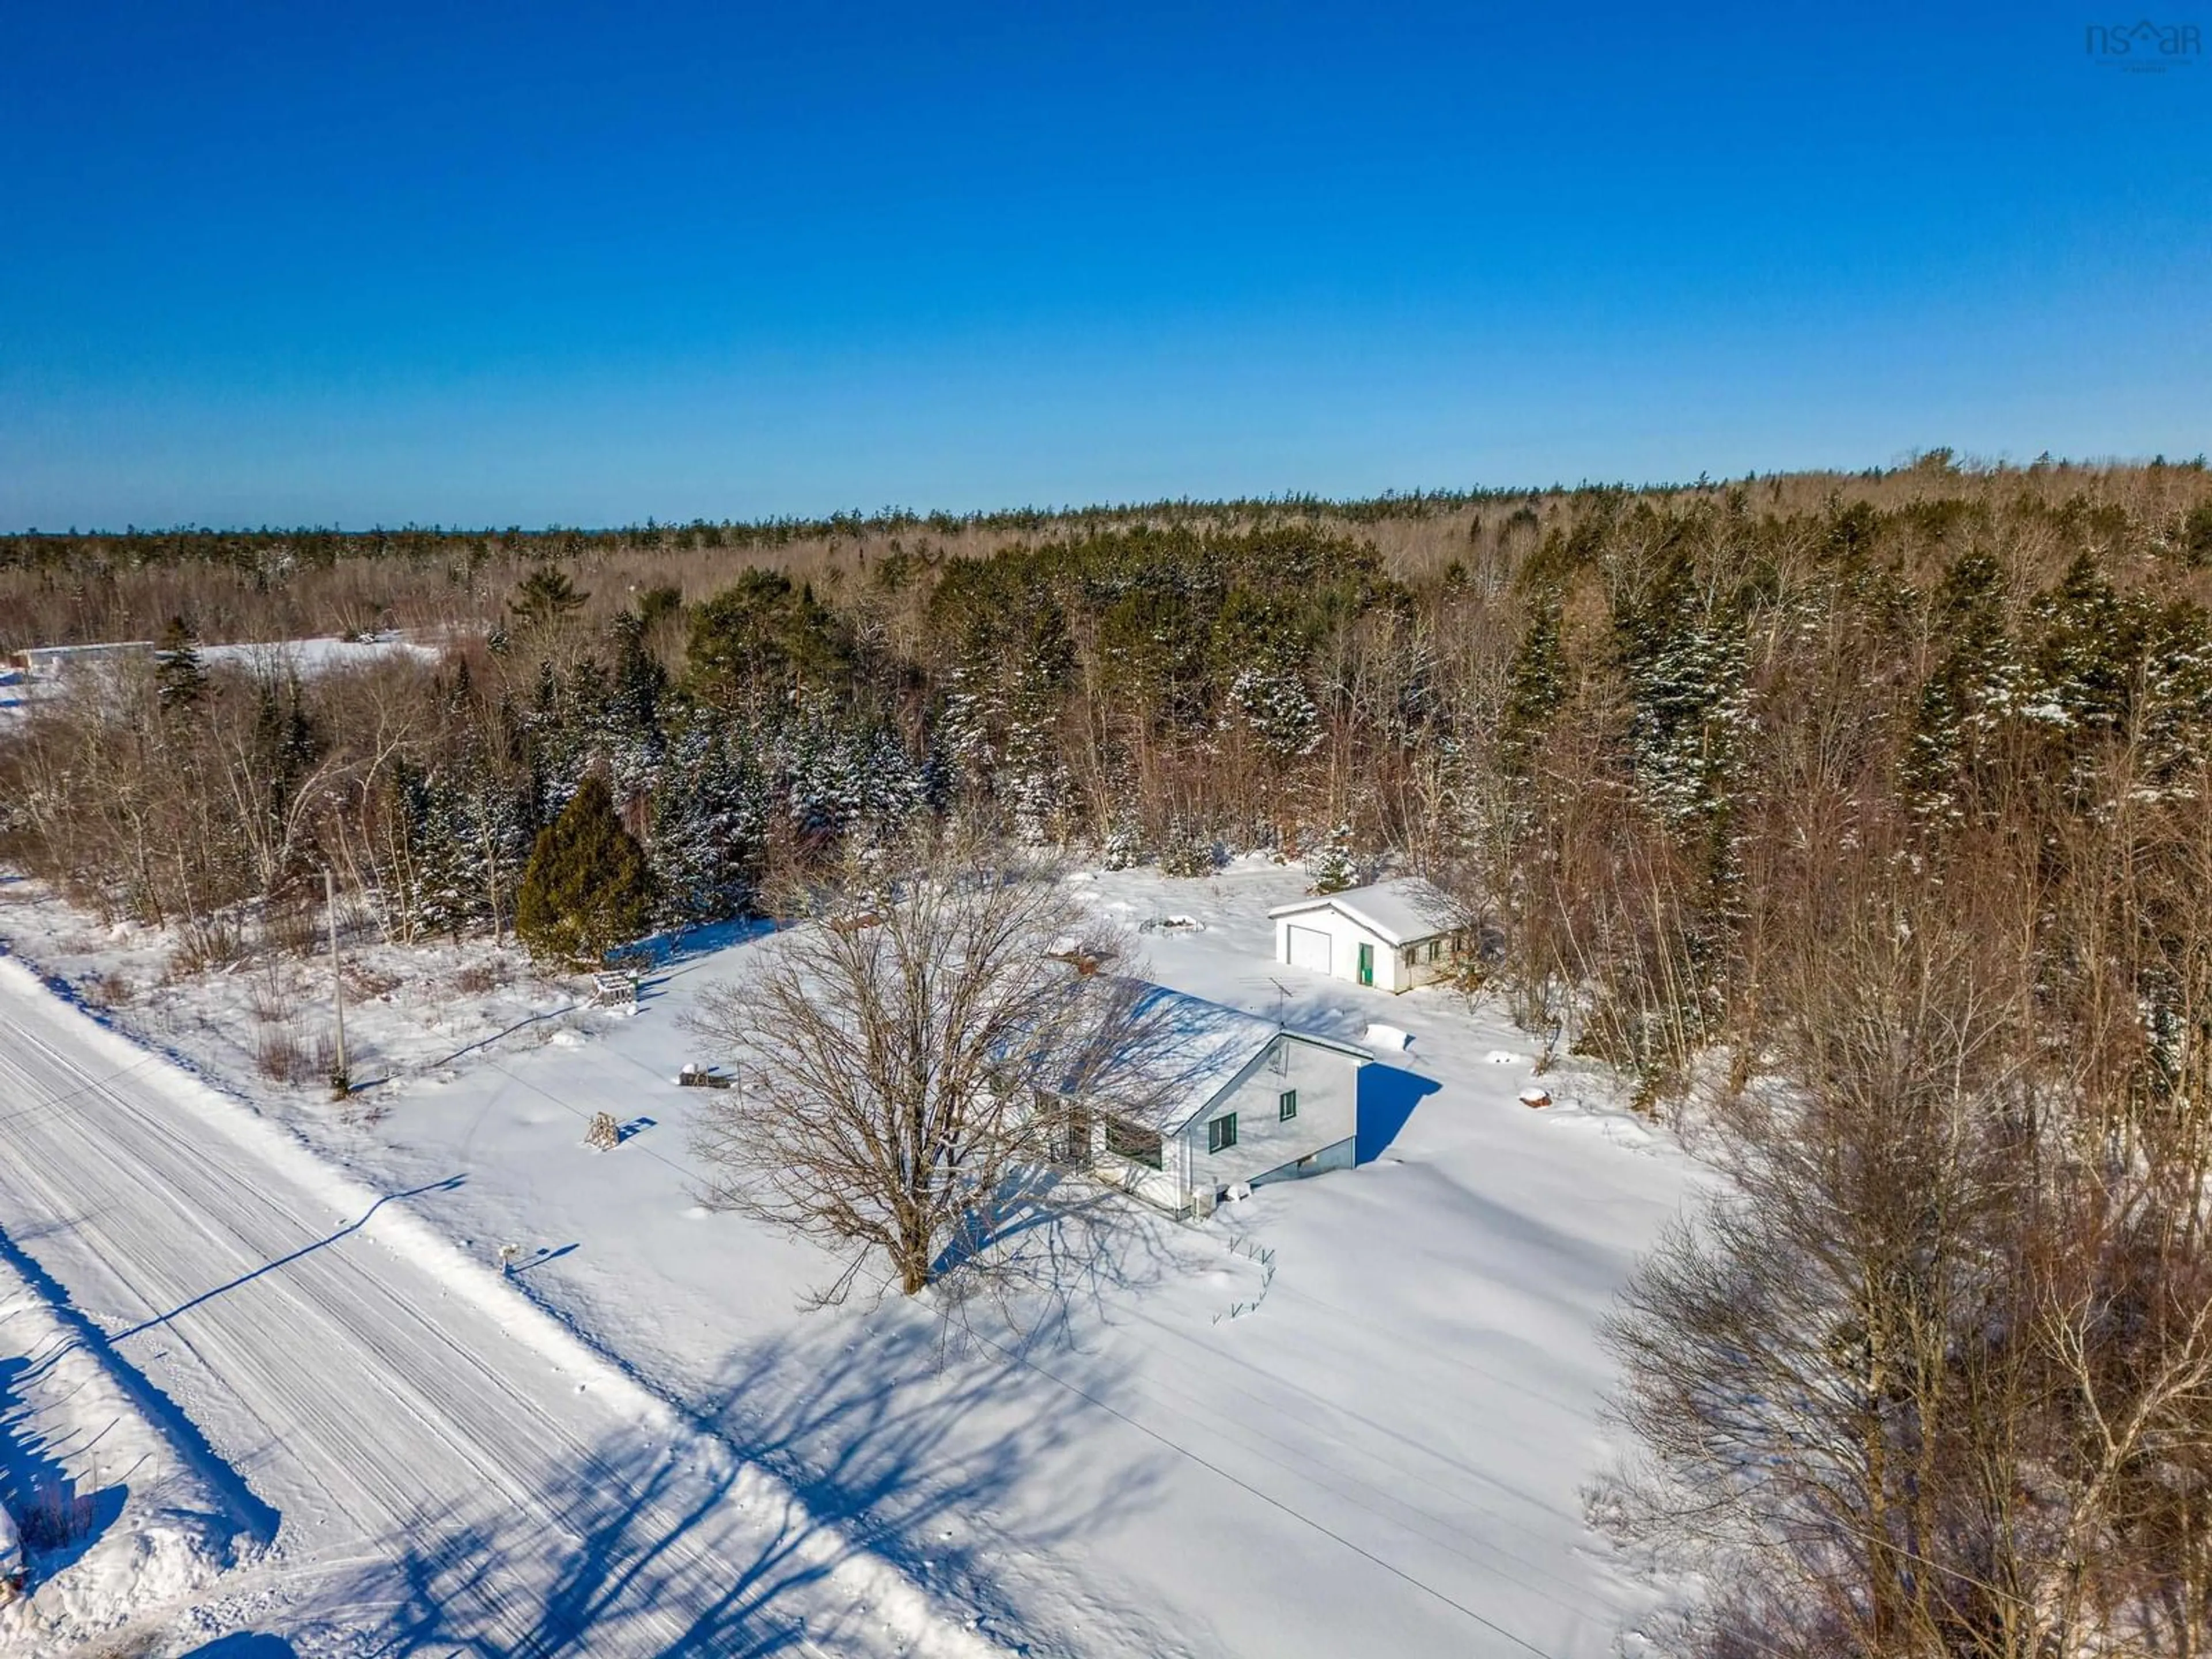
<point x="1398" y="912"/>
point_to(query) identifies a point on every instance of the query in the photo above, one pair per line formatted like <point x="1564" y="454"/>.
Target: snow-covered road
<point x="423" y="1455"/>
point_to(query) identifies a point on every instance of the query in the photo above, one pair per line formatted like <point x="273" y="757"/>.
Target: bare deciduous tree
<point x="900" y="1060"/>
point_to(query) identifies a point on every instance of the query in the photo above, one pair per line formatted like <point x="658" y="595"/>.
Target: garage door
<point x="1309" y="949"/>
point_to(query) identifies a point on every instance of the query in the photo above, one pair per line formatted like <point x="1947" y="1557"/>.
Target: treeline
<point x="64" y="589"/>
<point x="315" y="547"/>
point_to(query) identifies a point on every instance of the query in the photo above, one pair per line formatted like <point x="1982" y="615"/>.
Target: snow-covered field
<point x="1385" y="1455"/>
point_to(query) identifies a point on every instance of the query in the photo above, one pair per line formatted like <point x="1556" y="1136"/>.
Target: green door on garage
<point x="1367" y="964"/>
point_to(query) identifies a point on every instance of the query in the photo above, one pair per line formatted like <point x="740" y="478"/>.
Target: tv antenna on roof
<point x="1282" y="999"/>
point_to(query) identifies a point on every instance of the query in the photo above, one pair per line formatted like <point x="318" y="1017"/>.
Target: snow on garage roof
<point x="1398" y="912"/>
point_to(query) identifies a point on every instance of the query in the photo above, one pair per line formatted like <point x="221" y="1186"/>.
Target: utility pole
<point x="344" y="1079"/>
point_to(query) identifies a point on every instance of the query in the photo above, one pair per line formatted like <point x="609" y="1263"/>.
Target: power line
<point x="1325" y="1531"/>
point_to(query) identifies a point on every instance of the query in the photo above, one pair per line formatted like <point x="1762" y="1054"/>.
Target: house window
<point x="1286" y="1105"/>
<point x="1435" y="949"/>
<point x="1221" y="1133"/>
<point x="1134" y="1141"/>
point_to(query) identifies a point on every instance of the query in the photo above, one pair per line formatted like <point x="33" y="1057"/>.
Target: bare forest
<point x="1860" y="819"/>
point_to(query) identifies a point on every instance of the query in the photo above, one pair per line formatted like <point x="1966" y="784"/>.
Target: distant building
<point x="53" y="662"/>
<point x="1392" y="935"/>
<point x="1228" y="1100"/>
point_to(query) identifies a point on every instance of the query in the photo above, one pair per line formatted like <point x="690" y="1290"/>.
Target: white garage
<point x="1392" y="935"/>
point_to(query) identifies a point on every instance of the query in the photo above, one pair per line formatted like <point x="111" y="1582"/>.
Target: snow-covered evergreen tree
<point x="1271" y="699"/>
<point x="1685" y="676"/>
<point x="1188" y="851"/>
<point x="839" y="778"/>
<point x="1262" y="651"/>
<point x="442" y="895"/>
<point x="1536" y="684"/>
<point x="709" y="825"/>
<point x="1332" y="865"/>
<point x="1001" y="725"/>
<point x="1979" y="684"/>
<point x="1124" y="845"/>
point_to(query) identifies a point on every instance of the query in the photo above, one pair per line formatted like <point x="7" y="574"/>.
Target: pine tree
<point x="2177" y="715"/>
<point x="1263" y="651"/>
<point x="1535" y="686"/>
<point x="545" y="597"/>
<point x="1687" y="663"/>
<point x="710" y="810"/>
<point x="1124" y="848"/>
<point x="640" y="681"/>
<point x="1332" y="865"/>
<point x="1188" y="851"/>
<point x="1978" y="683"/>
<point x="763" y="640"/>
<point x="179" y="677"/>
<point x="441" y="894"/>
<point x="587" y="888"/>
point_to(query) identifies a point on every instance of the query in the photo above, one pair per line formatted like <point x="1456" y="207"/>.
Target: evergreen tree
<point x="1977" y="684"/>
<point x="709" y="827"/>
<point x="1263" y="652"/>
<point x="286" y="745"/>
<point x="1188" y="851"/>
<point x="179" y="677"/>
<point x="545" y="597"/>
<point x="1536" y="684"/>
<point x="2091" y="642"/>
<point x="2177" y="714"/>
<point x="587" y="887"/>
<point x="765" y="639"/>
<point x="1332" y="865"/>
<point x="1124" y="847"/>
<point x="440" y="894"/>
<point x="640" y="681"/>
<point x="1686" y="662"/>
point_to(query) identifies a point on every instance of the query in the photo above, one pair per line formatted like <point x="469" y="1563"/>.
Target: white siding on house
<point x="1327" y="1085"/>
<point x="1201" y="1062"/>
<point x="1162" y="1187"/>
<point x="1323" y="1135"/>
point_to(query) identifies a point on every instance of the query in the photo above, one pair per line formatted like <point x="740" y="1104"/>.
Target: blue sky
<point x="558" y="264"/>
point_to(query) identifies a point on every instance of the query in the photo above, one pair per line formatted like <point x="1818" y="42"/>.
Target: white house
<point x="1225" y="1099"/>
<point x="1392" y="935"/>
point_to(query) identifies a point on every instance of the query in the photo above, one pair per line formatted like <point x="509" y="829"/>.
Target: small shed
<point x="1392" y="935"/>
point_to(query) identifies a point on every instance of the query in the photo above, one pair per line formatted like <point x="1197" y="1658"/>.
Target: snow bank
<point x="113" y="1520"/>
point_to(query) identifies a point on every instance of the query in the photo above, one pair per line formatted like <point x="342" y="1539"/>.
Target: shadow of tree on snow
<point x="883" y="1446"/>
